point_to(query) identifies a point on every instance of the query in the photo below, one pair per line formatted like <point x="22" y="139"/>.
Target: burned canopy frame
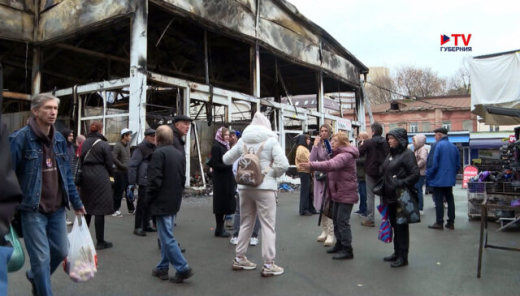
<point x="166" y="56"/>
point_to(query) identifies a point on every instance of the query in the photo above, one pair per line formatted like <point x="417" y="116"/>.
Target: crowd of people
<point x="335" y="174"/>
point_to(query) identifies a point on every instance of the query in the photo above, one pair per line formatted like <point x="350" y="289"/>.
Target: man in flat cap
<point x="442" y="176"/>
<point x="121" y="154"/>
<point x="137" y="175"/>
<point x="181" y="127"/>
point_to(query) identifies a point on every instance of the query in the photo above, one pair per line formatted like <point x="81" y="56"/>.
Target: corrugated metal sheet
<point x="69" y="16"/>
<point x="15" y="121"/>
<point x="16" y="24"/>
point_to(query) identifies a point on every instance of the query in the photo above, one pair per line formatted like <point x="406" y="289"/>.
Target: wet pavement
<point x="440" y="262"/>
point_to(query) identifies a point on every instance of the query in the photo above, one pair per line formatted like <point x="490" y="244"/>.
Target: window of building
<point x="467" y="125"/>
<point x="414" y="127"/>
<point x="393" y="125"/>
<point x="426" y="127"/>
<point x="447" y="125"/>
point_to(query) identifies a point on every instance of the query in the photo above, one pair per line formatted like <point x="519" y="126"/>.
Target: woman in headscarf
<point x="259" y="200"/>
<point x="223" y="182"/>
<point x="322" y="151"/>
<point x="421" y="156"/>
<point x="96" y="190"/>
<point x="400" y="172"/>
<point x="302" y="156"/>
<point x="342" y="189"/>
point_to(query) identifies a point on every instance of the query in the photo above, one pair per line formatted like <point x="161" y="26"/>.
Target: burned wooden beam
<point x="91" y="52"/>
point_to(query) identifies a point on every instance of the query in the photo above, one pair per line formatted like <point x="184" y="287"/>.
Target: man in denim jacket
<point x="41" y="164"/>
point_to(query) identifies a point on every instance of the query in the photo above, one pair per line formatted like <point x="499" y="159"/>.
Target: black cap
<point x="149" y="132"/>
<point x="441" y="130"/>
<point x="181" y="118"/>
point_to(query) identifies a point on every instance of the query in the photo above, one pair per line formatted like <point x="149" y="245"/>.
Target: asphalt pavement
<point x="440" y="262"/>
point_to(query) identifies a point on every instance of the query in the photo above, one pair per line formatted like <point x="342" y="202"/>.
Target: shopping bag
<point x="408" y="208"/>
<point x="385" y="230"/>
<point x="18" y="257"/>
<point x="81" y="263"/>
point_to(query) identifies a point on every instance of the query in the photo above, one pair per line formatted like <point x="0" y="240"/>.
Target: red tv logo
<point x="465" y="39"/>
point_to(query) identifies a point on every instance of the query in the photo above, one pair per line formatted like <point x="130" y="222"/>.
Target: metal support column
<point x="255" y="77"/>
<point x="36" y="71"/>
<point x="186" y="111"/>
<point x="319" y="97"/>
<point x="138" y="84"/>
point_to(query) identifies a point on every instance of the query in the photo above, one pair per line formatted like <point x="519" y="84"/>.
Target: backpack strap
<point x="260" y="149"/>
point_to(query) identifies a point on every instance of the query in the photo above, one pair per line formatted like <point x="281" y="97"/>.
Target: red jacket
<point x="341" y="174"/>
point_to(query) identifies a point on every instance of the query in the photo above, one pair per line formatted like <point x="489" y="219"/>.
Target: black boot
<point x="400" y="262"/>
<point x="390" y="258"/>
<point x="336" y="248"/>
<point x="344" y="253"/>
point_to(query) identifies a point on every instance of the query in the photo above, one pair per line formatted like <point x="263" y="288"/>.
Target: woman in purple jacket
<point x="342" y="189"/>
<point x="321" y="151"/>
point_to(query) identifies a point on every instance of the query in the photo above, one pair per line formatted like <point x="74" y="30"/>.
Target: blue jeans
<point x="45" y="237"/>
<point x="5" y="255"/>
<point x="170" y="251"/>
<point x="362" y="189"/>
<point x="419" y="187"/>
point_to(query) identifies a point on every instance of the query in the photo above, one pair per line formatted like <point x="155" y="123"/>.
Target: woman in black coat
<point x="400" y="171"/>
<point x="96" y="189"/>
<point x="223" y="182"/>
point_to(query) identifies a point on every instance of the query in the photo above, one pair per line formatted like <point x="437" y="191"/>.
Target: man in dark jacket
<point x="137" y="175"/>
<point x="362" y="186"/>
<point x="375" y="150"/>
<point x="166" y="175"/>
<point x="39" y="156"/>
<point x="121" y="154"/>
<point x="442" y="176"/>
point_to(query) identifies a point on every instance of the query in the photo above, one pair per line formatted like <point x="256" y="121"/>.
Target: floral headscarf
<point x="220" y="138"/>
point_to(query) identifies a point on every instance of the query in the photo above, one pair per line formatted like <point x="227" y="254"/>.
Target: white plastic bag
<point x="81" y="263"/>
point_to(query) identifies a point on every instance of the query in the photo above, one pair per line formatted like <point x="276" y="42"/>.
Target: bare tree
<point x="419" y="82"/>
<point x="380" y="89"/>
<point x="459" y="83"/>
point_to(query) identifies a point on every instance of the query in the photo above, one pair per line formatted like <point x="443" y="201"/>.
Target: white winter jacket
<point x="253" y="136"/>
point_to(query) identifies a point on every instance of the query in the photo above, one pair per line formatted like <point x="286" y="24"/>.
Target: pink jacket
<point x="341" y="174"/>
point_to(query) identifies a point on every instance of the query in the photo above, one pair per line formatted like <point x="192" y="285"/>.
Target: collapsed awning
<point x="486" y="143"/>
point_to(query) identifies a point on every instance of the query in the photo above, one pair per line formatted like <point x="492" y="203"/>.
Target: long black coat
<point x="166" y="179"/>
<point x="399" y="168"/>
<point x="96" y="189"/>
<point x="224" y="202"/>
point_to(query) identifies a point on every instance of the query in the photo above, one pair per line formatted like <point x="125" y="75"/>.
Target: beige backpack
<point x="249" y="171"/>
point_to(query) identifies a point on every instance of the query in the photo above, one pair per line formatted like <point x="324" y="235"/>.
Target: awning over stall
<point x="486" y="143"/>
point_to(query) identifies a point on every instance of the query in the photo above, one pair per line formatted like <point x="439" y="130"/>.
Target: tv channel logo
<point x="464" y="38"/>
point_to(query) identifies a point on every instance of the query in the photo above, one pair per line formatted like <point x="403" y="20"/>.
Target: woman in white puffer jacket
<point x="259" y="200"/>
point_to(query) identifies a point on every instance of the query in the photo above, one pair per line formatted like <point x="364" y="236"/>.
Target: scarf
<point x="327" y="145"/>
<point x="220" y="139"/>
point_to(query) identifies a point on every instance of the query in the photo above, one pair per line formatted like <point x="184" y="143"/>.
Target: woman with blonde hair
<point x="342" y="189"/>
<point x="321" y="151"/>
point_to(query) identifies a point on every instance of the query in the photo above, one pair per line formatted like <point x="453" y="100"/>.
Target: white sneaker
<point x="253" y="241"/>
<point x="117" y="214"/>
<point x="242" y="264"/>
<point x="271" y="270"/>
<point x="234" y="240"/>
<point x="421" y="212"/>
<point x="69" y="222"/>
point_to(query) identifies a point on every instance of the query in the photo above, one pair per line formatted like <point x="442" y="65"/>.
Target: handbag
<point x="407" y="208"/>
<point x="379" y="187"/>
<point x="320" y="176"/>
<point x="78" y="175"/>
<point x="18" y="257"/>
<point x="326" y="205"/>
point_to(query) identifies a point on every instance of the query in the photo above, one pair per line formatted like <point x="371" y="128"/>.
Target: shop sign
<point x="344" y="124"/>
<point x="469" y="172"/>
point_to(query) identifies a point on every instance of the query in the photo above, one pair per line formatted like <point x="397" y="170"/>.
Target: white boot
<point x="329" y="241"/>
<point x="322" y="237"/>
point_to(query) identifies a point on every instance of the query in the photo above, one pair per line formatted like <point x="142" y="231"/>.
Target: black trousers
<point x="305" y="194"/>
<point x="99" y="224"/>
<point x="120" y="185"/>
<point x="219" y="218"/>
<point x="142" y="217"/>
<point x="401" y="233"/>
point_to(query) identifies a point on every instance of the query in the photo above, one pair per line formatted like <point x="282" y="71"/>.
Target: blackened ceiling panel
<point x="15" y="24"/>
<point x="235" y="16"/>
<point x="70" y="16"/>
<point x="24" y="5"/>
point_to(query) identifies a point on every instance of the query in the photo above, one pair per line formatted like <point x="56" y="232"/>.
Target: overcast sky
<point x="405" y="32"/>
